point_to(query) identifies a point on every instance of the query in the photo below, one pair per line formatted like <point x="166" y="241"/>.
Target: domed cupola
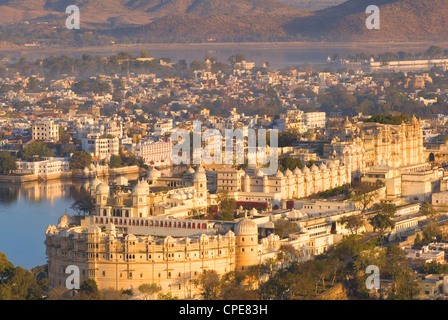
<point x="102" y="188"/>
<point x="246" y="227"/>
<point x="142" y="188"/>
<point x="200" y="174"/>
<point x="153" y="174"/>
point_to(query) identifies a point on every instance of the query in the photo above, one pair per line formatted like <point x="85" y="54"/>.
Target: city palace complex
<point x="150" y="233"/>
<point x="152" y="221"/>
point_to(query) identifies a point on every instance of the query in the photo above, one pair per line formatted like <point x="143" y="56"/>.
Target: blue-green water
<point x="25" y="213"/>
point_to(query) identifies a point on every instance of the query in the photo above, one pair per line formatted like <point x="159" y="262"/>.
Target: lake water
<point x="279" y="54"/>
<point x="27" y="210"/>
<point x="25" y="213"/>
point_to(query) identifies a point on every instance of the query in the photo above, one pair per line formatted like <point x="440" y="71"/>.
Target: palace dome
<point x="154" y="174"/>
<point x="200" y="174"/>
<point x="142" y="188"/>
<point x="103" y="187"/>
<point x="295" y="214"/>
<point x="95" y="182"/>
<point x="246" y="227"/>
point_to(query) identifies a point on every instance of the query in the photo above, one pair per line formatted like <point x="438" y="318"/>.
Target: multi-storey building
<point x="254" y="186"/>
<point x="315" y="120"/>
<point x="126" y="241"/>
<point x="364" y="147"/>
<point x="154" y="153"/>
<point x="101" y="147"/>
<point x="48" y="168"/>
<point x="46" y="130"/>
<point x="102" y="127"/>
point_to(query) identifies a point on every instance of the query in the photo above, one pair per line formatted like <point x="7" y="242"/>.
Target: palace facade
<point x="252" y="185"/>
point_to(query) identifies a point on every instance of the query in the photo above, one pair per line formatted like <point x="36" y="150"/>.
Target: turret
<point x="200" y="182"/>
<point x="246" y="240"/>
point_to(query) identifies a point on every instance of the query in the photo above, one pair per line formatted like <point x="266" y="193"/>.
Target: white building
<point x="154" y="153"/>
<point x="45" y="130"/>
<point x="161" y="127"/>
<point x="101" y="147"/>
<point x="46" y="168"/>
<point x="86" y="126"/>
<point x="314" y="120"/>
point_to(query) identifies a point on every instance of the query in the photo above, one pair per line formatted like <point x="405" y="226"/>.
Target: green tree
<point x="149" y="289"/>
<point x="144" y="54"/>
<point x="80" y="160"/>
<point x="364" y="194"/>
<point x="434" y="51"/>
<point x="285" y="227"/>
<point x="434" y="267"/>
<point x="406" y="284"/>
<point x="83" y="205"/>
<point x="381" y="222"/>
<point x="232" y="285"/>
<point x="167" y="296"/>
<point x="58" y="293"/>
<point x="226" y="204"/>
<point x="353" y="223"/>
<point x="7" y="162"/>
<point x="90" y="288"/>
<point x="208" y="284"/>
<point x="115" y="161"/>
<point x="6" y="268"/>
<point x="20" y="285"/>
<point x="428" y="209"/>
<point x="36" y="151"/>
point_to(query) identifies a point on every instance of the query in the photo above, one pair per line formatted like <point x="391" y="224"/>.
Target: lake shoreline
<point x="278" y="44"/>
<point x="75" y="175"/>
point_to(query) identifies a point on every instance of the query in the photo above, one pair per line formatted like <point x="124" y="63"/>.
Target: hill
<point x="225" y="20"/>
<point x="221" y="28"/>
<point x="400" y="20"/>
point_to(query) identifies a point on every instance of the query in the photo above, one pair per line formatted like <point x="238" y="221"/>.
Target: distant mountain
<point x="223" y="28"/>
<point x="399" y="20"/>
<point x="208" y="7"/>
<point x="144" y="11"/>
<point x="225" y="20"/>
<point x="155" y="8"/>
